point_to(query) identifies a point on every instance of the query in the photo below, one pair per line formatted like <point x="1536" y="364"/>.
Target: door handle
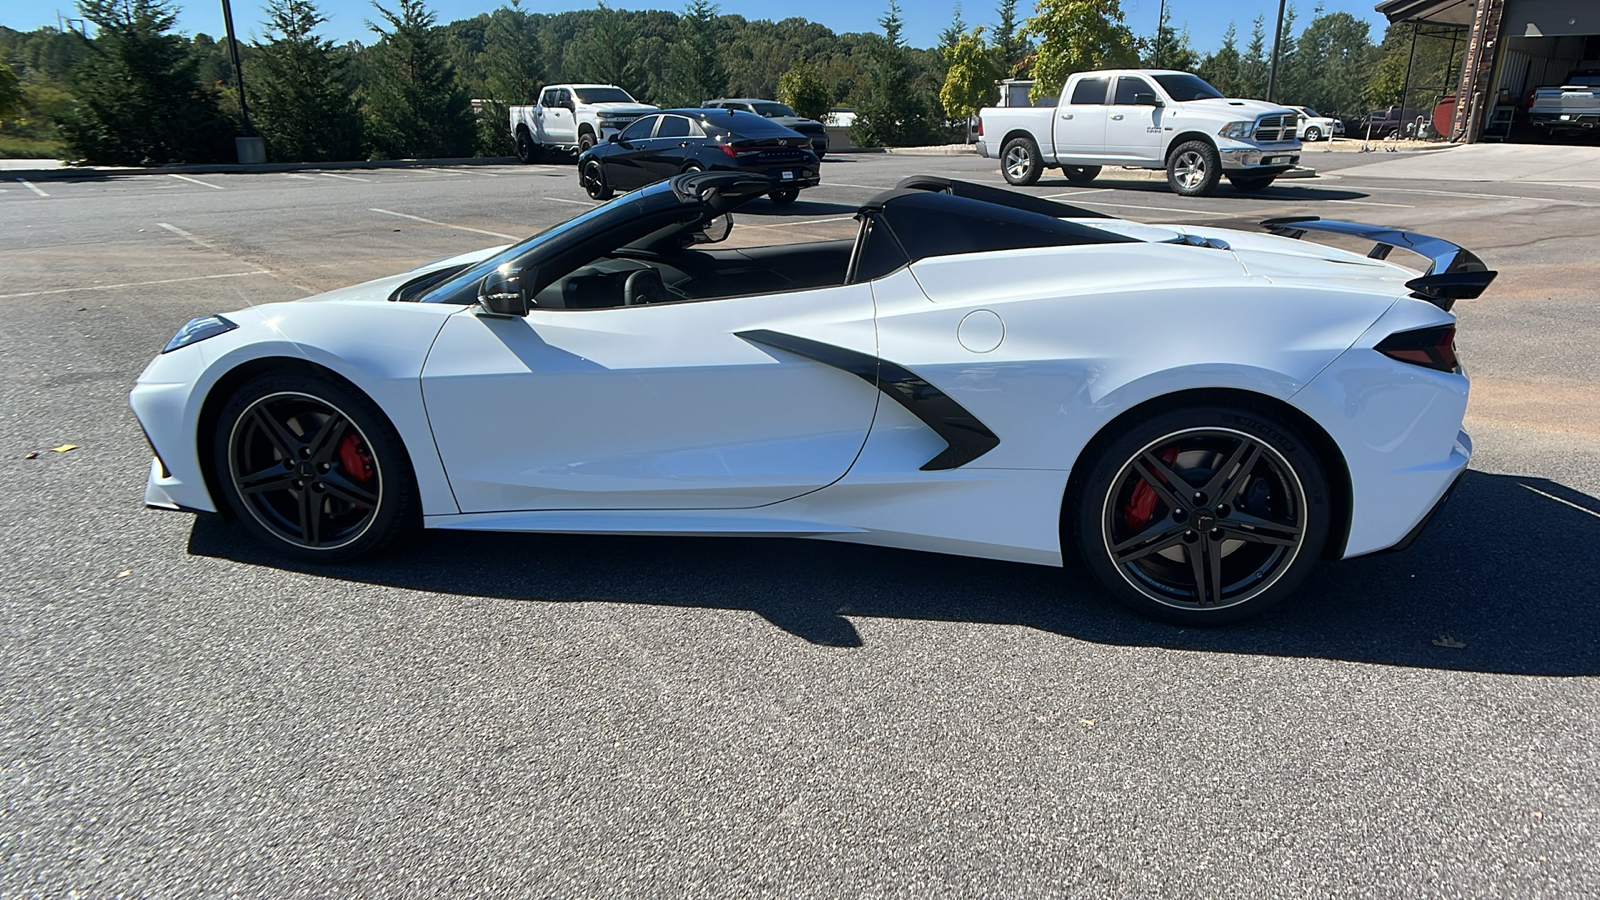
<point x="684" y="144"/>
<point x="1066" y="115"/>
<point x="1117" y="117"/>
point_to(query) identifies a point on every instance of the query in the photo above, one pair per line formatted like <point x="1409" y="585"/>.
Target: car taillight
<point x="728" y="149"/>
<point x="980" y="127"/>
<point x="1434" y="348"/>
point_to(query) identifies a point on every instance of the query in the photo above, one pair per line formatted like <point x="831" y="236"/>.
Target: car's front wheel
<point x="1313" y="134"/>
<point x="784" y="197"/>
<point x="1194" y="168"/>
<point x="585" y="141"/>
<point x="1202" y="515"/>
<point x="594" y="180"/>
<point x="313" y="468"/>
<point x="1080" y="174"/>
<point x="1020" y="162"/>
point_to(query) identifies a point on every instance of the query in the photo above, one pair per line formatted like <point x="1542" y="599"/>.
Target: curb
<point x="935" y="150"/>
<point x="68" y="172"/>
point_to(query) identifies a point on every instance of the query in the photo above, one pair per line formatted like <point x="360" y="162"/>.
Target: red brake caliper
<point x="1140" y="510"/>
<point x="356" y="460"/>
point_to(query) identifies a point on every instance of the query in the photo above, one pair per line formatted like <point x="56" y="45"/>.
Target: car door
<point x="625" y="159"/>
<point x="661" y="406"/>
<point x="1080" y="127"/>
<point x="669" y="147"/>
<point x="558" y="124"/>
<point x="1133" y="129"/>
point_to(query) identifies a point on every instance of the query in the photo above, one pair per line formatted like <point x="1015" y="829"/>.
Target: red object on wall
<point x="1444" y="114"/>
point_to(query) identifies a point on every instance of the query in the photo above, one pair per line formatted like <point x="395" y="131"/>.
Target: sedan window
<point x="672" y="127"/>
<point x="640" y="129"/>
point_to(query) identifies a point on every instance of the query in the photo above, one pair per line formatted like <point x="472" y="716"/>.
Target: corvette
<point x="1202" y="414"/>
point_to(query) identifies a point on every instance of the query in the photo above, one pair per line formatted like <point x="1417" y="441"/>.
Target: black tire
<point x="585" y="141"/>
<point x="1313" y="133"/>
<point x="784" y="197"/>
<point x="692" y="168"/>
<point x="1252" y="543"/>
<point x="1020" y="162"/>
<point x="593" y="178"/>
<point x="314" y="469"/>
<point x="1252" y="183"/>
<point x="1193" y="169"/>
<point x="1080" y="174"/>
<point x="528" y="150"/>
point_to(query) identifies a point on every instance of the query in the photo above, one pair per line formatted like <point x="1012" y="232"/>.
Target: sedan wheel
<point x="313" y="469"/>
<point x="594" y="180"/>
<point x="1204" y="516"/>
<point x="1313" y="133"/>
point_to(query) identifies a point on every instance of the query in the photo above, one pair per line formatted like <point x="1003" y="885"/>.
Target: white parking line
<point x="476" y="172"/>
<point x="1375" y="203"/>
<point x="509" y="237"/>
<point x="1194" y="212"/>
<point x="579" y="202"/>
<point x="215" y="187"/>
<point x="345" y="177"/>
<point x="131" y="284"/>
<point x="1071" y="193"/>
<point x="1575" y="506"/>
<point x="185" y="235"/>
<point x="442" y="171"/>
<point x="32" y="187"/>
<point x="297" y="175"/>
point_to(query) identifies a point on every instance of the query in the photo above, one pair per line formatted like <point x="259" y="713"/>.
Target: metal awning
<point x="1455" y="13"/>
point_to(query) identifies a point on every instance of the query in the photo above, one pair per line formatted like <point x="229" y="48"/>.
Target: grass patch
<point x="12" y="147"/>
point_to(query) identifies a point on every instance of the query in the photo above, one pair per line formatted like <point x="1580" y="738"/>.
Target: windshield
<point x="1187" y="87"/>
<point x="772" y="110"/>
<point x="461" y="289"/>
<point x="603" y="95"/>
<point x="1309" y="112"/>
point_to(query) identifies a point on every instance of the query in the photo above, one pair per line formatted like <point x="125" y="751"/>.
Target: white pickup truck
<point x="1572" y="107"/>
<point x="572" y="117"/>
<point x="1148" y="119"/>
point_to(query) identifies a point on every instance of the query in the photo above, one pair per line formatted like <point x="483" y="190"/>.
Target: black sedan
<point x="673" y="141"/>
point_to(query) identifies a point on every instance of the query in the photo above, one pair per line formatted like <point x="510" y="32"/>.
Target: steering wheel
<point x="643" y="286"/>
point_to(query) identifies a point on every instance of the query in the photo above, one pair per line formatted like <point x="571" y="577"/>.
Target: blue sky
<point x="1206" y="19"/>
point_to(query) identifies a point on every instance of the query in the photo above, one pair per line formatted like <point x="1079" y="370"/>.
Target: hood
<point x="381" y="288"/>
<point x="796" y="122"/>
<point x="618" y="106"/>
<point x="1238" y="109"/>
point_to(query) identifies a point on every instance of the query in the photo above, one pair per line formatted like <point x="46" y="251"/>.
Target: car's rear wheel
<point x="1194" y="168"/>
<point x="528" y="150"/>
<point x="1313" y="133"/>
<point x="1203" y="515"/>
<point x="692" y="168"/>
<point x="1249" y="183"/>
<point x="784" y="197"/>
<point x="313" y="468"/>
<point x="594" y="180"/>
<point x="1080" y="174"/>
<point x="1020" y="162"/>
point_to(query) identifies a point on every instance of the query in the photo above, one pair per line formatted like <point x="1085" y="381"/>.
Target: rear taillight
<point x="728" y="149"/>
<point x="1434" y="348"/>
<point x="980" y="128"/>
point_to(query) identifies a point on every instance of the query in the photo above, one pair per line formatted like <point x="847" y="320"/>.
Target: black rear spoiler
<point x="1456" y="274"/>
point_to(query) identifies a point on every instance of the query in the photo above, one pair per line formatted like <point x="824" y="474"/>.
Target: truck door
<point x="1080" y="125"/>
<point x="1133" y="121"/>
<point x="556" y="124"/>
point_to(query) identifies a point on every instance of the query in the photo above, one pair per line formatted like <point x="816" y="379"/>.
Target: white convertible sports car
<point x="1202" y="414"/>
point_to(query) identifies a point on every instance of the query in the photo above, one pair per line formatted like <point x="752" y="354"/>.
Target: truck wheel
<point x="1194" y="169"/>
<point x="1080" y="174"/>
<point x="1019" y="161"/>
<point x="528" y="150"/>
<point x="1248" y="183"/>
<point x="585" y="141"/>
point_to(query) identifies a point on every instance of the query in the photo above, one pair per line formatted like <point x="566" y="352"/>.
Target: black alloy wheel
<point x="1203" y="516"/>
<point x="784" y="196"/>
<point x="313" y="469"/>
<point x="594" y="180"/>
<point x="1081" y="174"/>
<point x="528" y="150"/>
<point x="585" y="141"/>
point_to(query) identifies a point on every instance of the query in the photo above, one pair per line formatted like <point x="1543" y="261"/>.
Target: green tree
<point x="1170" y="49"/>
<point x="892" y="113"/>
<point x="1011" y="46"/>
<point x="1253" y="62"/>
<point x="11" y="104"/>
<point x="513" y="60"/>
<point x="1074" y="36"/>
<point x="803" y="89"/>
<point x="969" y="83"/>
<point x="139" y="100"/>
<point x="415" y="105"/>
<point x="1221" y="69"/>
<point x="695" y="71"/>
<point x="1333" y="60"/>
<point x="301" y="105"/>
<point x="606" y="53"/>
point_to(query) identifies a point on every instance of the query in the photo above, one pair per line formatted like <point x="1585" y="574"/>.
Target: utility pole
<point x="1161" y="21"/>
<point x="251" y="148"/>
<point x="1277" y="38"/>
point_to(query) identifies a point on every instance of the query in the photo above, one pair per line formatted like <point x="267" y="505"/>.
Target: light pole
<point x="251" y="148"/>
<point x="1277" y="38"/>
<point x="1161" y="21"/>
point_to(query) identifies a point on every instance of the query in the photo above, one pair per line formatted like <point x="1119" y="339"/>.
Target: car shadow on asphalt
<point x="1291" y="192"/>
<point x="1506" y="571"/>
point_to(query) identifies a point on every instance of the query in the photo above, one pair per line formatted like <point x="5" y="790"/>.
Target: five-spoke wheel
<point x="1203" y="516"/>
<point x="312" y="468"/>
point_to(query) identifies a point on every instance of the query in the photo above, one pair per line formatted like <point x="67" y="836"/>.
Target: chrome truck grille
<point x="1276" y="128"/>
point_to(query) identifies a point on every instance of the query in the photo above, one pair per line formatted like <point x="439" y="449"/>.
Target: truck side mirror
<point x="1147" y="99"/>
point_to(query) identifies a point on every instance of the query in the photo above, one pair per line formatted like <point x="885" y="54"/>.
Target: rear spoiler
<point x="1456" y="274"/>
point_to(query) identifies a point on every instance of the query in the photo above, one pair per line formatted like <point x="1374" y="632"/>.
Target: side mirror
<point x="715" y="231"/>
<point x="614" y="138"/>
<point x="1147" y="99"/>
<point x="505" y="291"/>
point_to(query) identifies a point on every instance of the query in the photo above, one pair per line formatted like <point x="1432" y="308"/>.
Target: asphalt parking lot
<point x="587" y="716"/>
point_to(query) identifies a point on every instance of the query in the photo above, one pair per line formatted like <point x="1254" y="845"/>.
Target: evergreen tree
<point x="1221" y="69"/>
<point x="1253" y="64"/>
<point x="952" y="33"/>
<point x="302" y="108"/>
<point x="1011" y="46"/>
<point x="415" y="105"/>
<point x="695" y="71"/>
<point x="606" y="54"/>
<point x="1333" y="60"/>
<point x="139" y="99"/>
<point x="10" y="94"/>
<point x="1170" y="49"/>
<point x="1076" y="36"/>
<point x="513" y="60"/>
<point x="893" y="113"/>
<point x="803" y="89"/>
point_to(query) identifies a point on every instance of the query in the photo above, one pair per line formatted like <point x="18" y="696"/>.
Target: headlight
<point x="1239" y="131"/>
<point x="197" y="330"/>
